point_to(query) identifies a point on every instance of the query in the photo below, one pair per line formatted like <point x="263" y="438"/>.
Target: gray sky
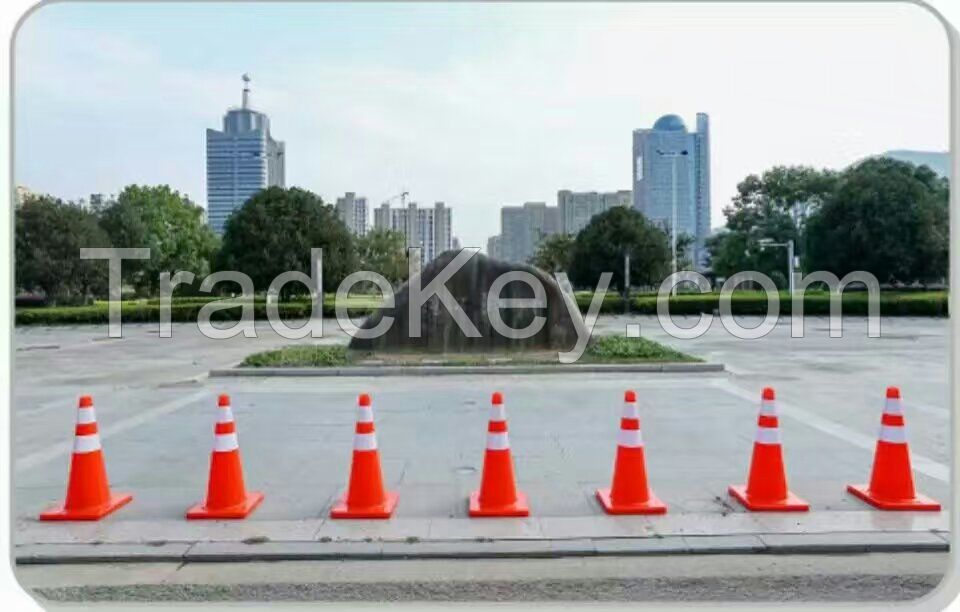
<point x="476" y="105"/>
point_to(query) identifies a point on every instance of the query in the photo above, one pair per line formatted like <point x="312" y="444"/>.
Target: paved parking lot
<point x="156" y="409"/>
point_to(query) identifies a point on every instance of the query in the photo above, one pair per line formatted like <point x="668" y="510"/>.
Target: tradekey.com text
<point x="419" y="295"/>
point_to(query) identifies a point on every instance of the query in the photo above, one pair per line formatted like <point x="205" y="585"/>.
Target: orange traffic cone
<point x="630" y="493"/>
<point x="227" y="497"/>
<point x="88" y="491"/>
<point x="766" y="487"/>
<point x="365" y="497"/>
<point x="891" y="483"/>
<point x="498" y="495"/>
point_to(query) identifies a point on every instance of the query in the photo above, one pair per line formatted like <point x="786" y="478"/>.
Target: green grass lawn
<point x="315" y="356"/>
<point x="605" y="349"/>
<point x="618" y="349"/>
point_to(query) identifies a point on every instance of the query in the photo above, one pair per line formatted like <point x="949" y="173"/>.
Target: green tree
<point x="796" y="189"/>
<point x="768" y="207"/>
<point x="685" y="243"/>
<point x="886" y="217"/>
<point x="167" y="223"/>
<point x="49" y="236"/>
<point x="602" y="244"/>
<point x="554" y="253"/>
<point x="384" y="252"/>
<point x="274" y="231"/>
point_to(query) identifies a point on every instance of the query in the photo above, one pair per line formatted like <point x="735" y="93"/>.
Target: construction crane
<point x="403" y="198"/>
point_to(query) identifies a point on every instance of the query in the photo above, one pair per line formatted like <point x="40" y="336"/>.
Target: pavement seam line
<point x="55" y="451"/>
<point x="921" y="463"/>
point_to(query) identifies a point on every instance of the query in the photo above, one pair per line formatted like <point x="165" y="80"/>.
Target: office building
<point x="242" y="159"/>
<point x="427" y="228"/>
<point x="672" y="165"/>
<point x="353" y="212"/>
<point x="101" y="201"/>
<point x="523" y="227"/>
<point x="20" y="195"/>
<point x="576" y="209"/>
<point x="938" y="161"/>
<point x="493" y="247"/>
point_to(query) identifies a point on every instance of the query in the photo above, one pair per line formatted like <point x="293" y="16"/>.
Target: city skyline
<point x="463" y="126"/>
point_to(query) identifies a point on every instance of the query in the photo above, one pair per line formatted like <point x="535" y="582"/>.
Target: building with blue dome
<point x="670" y="123"/>
<point x="671" y="163"/>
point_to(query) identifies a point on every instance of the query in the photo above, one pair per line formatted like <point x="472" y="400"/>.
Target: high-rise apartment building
<point x="671" y="166"/>
<point x="523" y="227"/>
<point x="493" y="247"/>
<point x="427" y="228"/>
<point x="21" y="194"/>
<point x="353" y="212"/>
<point x="242" y="159"/>
<point x="577" y="208"/>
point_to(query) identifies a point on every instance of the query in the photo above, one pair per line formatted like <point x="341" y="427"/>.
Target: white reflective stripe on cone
<point x="223" y="443"/>
<point x="86" y="415"/>
<point x="768" y="435"/>
<point x="630" y="438"/>
<point x="225" y="415"/>
<point x="768" y="408"/>
<point x="498" y="412"/>
<point x="86" y="444"/>
<point x="897" y="435"/>
<point x="498" y="440"/>
<point x="630" y="410"/>
<point x="892" y="406"/>
<point x="365" y="441"/>
<point x="364" y="414"/>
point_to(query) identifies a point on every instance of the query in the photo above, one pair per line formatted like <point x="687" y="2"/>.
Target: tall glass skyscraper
<point x="242" y="159"/>
<point x="656" y="153"/>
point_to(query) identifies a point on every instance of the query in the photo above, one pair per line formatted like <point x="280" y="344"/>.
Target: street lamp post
<point x="789" y="245"/>
<point x="673" y="156"/>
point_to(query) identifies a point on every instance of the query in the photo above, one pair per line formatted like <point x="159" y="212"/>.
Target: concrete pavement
<point x="156" y="408"/>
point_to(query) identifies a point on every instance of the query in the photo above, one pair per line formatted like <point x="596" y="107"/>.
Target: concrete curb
<point x="427" y="370"/>
<point x="220" y="552"/>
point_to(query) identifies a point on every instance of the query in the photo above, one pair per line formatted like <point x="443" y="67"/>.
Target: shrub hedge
<point x="892" y="304"/>
<point x="179" y="313"/>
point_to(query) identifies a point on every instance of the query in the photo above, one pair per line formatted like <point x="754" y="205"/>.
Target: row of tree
<point x="883" y="216"/>
<point x="271" y="233"/>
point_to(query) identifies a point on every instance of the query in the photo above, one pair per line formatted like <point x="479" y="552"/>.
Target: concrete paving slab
<point x="459" y="529"/>
<point x="820" y="543"/>
<point x="495" y="549"/>
<point x="42" y="554"/>
<point x="492" y="528"/>
<point x="397" y="529"/>
<point x="707" y="524"/>
<point x="582" y="547"/>
<point x="855" y="542"/>
<point x="859" y="520"/>
<point x="642" y="546"/>
<point x="597" y="526"/>
<point x="268" y="551"/>
<point x="724" y="544"/>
